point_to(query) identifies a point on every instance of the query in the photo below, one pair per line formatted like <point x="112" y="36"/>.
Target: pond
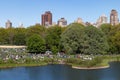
<point x="60" y="72"/>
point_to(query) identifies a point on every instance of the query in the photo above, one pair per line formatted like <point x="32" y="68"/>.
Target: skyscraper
<point x="62" y="22"/>
<point x="114" y="18"/>
<point x="8" y="24"/>
<point x="102" y="20"/>
<point x="46" y="19"/>
<point x="80" y="21"/>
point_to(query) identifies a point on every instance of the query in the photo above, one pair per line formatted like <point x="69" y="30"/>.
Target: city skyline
<point x="29" y="12"/>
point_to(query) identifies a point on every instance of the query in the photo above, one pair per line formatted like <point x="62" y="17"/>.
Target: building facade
<point x="79" y="21"/>
<point x="62" y="22"/>
<point x="102" y="20"/>
<point x="114" y="20"/>
<point x="46" y="19"/>
<point x="8" y="24"/>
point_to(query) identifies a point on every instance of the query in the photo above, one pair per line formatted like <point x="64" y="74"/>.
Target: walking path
<point x="4" y="46"/>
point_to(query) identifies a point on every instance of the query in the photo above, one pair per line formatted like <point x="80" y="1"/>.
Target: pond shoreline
<point x="104" y="64"/>
<point x="89" y="68"/>
<point x="33" y="65"/>
<point x="20" y="65"/>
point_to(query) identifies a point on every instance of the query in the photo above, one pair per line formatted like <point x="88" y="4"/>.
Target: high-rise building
<point x="46" y="19"/>
<point x="80" y="21"/>
<point x="8" y="24"/>
<point x="114" y="20"/>
<point x="62" y="22"/>
<point x="88" y="24"/>
<point x="102" y="20"/>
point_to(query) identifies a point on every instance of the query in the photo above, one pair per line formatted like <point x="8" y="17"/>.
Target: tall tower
<point x="46" y="18"/>
<point x="114" y="18"/>
<point x="8" y="24"/>
<point x="62" y="22"/>
<point x="102" y="20"/>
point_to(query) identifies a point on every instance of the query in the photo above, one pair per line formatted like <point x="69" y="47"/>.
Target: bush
<point x="29" y="60"/>
<point x="74" y="61"/>
<point x="1" y="61"/>
<point x="95" y="61"/>
<point x="49" y="60"/>
<point x="11" y="61"/>
<point x="36" y="44"/>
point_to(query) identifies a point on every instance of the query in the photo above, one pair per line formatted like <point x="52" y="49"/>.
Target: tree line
<point x="73" y="39"/>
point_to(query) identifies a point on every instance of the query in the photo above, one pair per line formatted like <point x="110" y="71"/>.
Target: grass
<point x="10" y="65"/>
<point x="99" y="61"/>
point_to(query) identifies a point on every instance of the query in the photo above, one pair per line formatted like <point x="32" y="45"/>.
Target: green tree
<point x="112" y="33"/>
<point x="115" y="39"/>
<point x="10" y="32"/>
<point x="20" y="36"/>
<point x="109" y="31"/>
<point x="106" y="28"/>
<point x="36" y="29"/>
<point x="53" y="38"/>
<point x="95" y="42"/>
<point x="36" y="44"/>
<point x="72" y="38"/>
<point x="86" y="40"/>
<point x="3" y="36"/>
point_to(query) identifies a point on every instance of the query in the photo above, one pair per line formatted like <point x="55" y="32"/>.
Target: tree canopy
<point x="75" y="38"/>
<point x="85" y="40"/>
<point x="53" y="38"/>
<point x="95" y="41"/>
<point x="36" y="44"/>
<point x="72" y="38"/>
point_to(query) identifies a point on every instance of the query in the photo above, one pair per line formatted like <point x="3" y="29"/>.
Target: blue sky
<point x="29" y="12"/>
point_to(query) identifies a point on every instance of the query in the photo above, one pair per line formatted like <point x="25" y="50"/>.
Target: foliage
<point x="74" y="61"/>
<point x="53" y="38"/>
<point x="106" y="28"/>
<point x="75" y="38"/>
<point x="113" y="34"/>
<point x="72" y="38"/>
<point x="36" y="29"/>
<point x="54" y="49"/>
<point x="10" y="32"/>
<point x="36" y="44"/>
<point x="3" y="36"/>
<point x="116" y="41"/>
<point x="20" y="36"/>
<point x="84" y="63"/>
<point x="95" y="42"/>
<point x="85" y="40"/>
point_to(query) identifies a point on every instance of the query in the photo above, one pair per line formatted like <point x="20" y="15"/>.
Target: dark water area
<point x="60" y="72"/>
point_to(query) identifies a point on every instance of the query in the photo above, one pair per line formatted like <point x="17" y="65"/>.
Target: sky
<point x="29" y="12"/>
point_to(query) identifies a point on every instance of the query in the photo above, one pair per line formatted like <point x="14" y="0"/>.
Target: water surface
<point x="60" y="72"/>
